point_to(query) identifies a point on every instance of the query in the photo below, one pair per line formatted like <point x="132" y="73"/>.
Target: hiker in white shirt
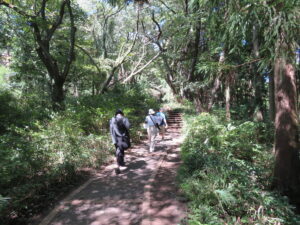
<point x="152" y="125"/>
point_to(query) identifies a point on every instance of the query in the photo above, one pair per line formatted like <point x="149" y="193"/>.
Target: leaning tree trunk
<point x="287" y="164"/>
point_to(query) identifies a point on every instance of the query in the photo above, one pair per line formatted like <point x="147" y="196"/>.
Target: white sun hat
<point x="151" y="111"/>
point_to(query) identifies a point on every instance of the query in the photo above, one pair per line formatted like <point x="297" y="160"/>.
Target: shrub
<point x="41" y="151"/>
<point x="226" y="174"/>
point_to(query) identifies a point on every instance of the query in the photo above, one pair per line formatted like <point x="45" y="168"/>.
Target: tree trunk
<point x="258" y="79"/>
<point x="227" y="99"/>
<point x="258" y="98"/>
<point x="93" y="88"/>
<point x="213" y="92"/>
<point x="199" y="105"/>
<point x="287" y="164"/>
<point x="75" y="90"/>
<point x="58" y="95"/>
<point x="169" y="78"/>
<point x="106" y="83"/>
<point x="217" y="83"/>
<point x="195" y="49"/>
<point x="271" y="97"/>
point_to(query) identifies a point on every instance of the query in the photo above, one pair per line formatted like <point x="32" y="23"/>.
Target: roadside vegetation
<point x="227" y="172"/>
<point x="43" y="153"/>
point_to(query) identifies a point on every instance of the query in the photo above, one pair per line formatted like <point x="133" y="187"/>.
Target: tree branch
<point x="43" y="51"/>
<point x="118" y="63"/>
<point x="16" y="9"/>
<point x="169" y="8"/>
<point x="158" y="26"/>
<point x="142" y="68"/>
<point x="243" y="64"/>
<point x="58" y="20"/>
<point x="196" y="48"/>
<point x="42" y="10"/>
<point x="72" y="42"/>
<point x="90" y="57"/>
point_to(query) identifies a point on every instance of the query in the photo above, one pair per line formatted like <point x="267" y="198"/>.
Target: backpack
<point x="162" y="123"/>
<point x="123" y="131"/>
<point x="160" y="119"/>
<point x="121" y="126"/>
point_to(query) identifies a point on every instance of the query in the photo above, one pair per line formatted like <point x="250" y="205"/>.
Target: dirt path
<point x="144" y="193"/>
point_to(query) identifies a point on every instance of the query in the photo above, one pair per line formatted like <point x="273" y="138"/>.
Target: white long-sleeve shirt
<point x="149" y="121"/>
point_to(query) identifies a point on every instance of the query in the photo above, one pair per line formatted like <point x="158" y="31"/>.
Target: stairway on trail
<point x="174" y="119"/>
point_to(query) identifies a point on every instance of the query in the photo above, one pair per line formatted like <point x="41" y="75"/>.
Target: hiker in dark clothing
<point x="119" y="130"/>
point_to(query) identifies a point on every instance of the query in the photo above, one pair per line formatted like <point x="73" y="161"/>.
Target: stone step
<point x="174" y="120"/>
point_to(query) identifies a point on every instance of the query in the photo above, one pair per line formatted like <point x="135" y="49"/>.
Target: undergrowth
<point x="226" y="173"/>
<point x="42" y="151"/>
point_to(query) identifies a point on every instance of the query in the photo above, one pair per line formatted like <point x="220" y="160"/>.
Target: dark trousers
<point x="121" y="146"/>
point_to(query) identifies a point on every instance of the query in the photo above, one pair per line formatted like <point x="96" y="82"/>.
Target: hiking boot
<point x="117" y="171"/>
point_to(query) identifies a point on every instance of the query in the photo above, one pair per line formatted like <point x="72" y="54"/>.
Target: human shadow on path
<point x="109" y="199"/>
<point x="118" y="199"/>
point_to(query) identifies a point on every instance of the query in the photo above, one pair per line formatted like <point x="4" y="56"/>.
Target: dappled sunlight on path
<point x="144" y="193"/>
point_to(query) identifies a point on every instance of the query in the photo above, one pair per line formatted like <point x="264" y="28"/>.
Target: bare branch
<point x="140" y="60"/>
<point x="119" y="62"/>
<point x="90" y="57"/>
<point x="128" y="51"/>
<point x="142" y="68"/>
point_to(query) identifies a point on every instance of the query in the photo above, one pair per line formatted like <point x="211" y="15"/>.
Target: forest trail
<point x="145" y="193"/>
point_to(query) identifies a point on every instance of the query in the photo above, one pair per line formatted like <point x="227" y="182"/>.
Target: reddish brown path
<point x="145" y="193"/>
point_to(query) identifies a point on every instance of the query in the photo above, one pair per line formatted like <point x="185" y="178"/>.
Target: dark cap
<point x="119" y="111"/>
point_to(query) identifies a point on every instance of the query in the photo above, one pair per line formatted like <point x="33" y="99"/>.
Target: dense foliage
<point x="227" y="170"/>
